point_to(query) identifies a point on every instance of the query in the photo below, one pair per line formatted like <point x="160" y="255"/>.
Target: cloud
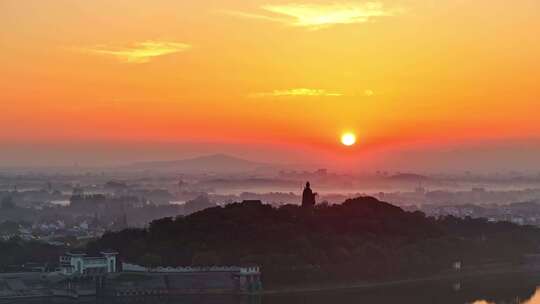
<point x="368" y="93"/>
<point x="297" y="92"/>
<point x="317" y="16"/>
<point x="139" y="52"/>
<point x="247" y="15"/>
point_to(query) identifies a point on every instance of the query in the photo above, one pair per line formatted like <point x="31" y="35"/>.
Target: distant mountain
<point x="215" y="163"/>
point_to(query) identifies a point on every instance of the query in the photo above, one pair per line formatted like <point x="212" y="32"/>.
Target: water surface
<point x="515" y="289"/>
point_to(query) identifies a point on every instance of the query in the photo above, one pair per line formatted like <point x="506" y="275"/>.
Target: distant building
<point x="78" y="263"/>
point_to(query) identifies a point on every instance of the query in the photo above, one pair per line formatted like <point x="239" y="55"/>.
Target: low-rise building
<point x="73" y="263"/>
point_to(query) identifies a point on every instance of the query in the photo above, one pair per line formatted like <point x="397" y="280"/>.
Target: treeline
<point x="15" y="253"/>
<point x="361" y="239"/>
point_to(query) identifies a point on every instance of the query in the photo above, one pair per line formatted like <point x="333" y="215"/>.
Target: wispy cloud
<point x="297" y="92"/>
<point x="316" y="16"/>
<point x="247" y="15"/>
<point x="369" y="93"/>
<point x="139" y="52"/>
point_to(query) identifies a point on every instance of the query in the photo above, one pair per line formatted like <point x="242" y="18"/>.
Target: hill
<point x="216" y="163"/>
<point x="360" y="239"/>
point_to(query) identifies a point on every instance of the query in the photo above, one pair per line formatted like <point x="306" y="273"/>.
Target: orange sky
<point x="290" y="73"/>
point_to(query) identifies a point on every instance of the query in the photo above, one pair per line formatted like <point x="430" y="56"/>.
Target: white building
<point x="80" y="264"/>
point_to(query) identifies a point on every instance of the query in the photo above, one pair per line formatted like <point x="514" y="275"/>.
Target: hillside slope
<point x="362" y="238"/>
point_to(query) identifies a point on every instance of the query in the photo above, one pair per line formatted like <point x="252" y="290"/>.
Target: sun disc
<point x="348" y="139"/>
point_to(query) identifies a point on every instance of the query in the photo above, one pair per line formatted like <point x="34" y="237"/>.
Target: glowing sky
<point x="401" y="74"/>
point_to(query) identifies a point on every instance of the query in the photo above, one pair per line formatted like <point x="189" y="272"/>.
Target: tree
<point x="151" y="260"/>
<point x="205" y="258"/>
<point x="9" y="227"/>
<point x="201" y="202"/>
<point x="7" y="203"/>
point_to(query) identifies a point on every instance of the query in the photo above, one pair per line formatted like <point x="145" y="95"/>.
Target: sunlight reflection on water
<point x="534" y="299"/>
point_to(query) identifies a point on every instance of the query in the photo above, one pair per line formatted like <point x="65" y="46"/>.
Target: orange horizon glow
<point x="281" y="73"/>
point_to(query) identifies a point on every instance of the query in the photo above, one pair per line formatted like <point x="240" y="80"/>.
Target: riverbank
<point x="525" y="269"/>
<point x="453" y="277"/>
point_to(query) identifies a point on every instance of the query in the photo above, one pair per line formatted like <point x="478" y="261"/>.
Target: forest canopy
<point x="362" y="238"/>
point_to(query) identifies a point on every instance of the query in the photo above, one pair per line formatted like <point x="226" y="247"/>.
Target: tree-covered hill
<point x="360" y="239"/>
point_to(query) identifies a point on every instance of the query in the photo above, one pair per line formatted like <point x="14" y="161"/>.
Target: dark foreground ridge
<point x="362" y="239"/>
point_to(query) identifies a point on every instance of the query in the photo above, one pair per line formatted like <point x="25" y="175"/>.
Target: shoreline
<point x="524" y="269"/>
<point x="398" y="282"/>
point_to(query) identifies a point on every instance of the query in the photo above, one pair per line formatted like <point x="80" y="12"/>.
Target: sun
<point x="348" y="139"/>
